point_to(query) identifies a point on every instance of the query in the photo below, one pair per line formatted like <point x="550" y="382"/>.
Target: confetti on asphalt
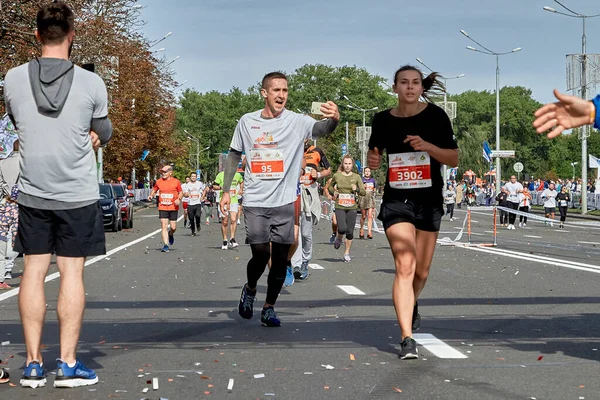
<point x="270" y="394"/>
<point x="5" y="343"/>
<point x="540" y="358"/>
<point x="326" y="387"/>
<point x="210" y="385"/>
<point x="181" y="376"/>
<point x="170" y="380"/>
<point x="308" y="373"/>
<point x="145" y="390"/>
<point x="258" y="376"/>
<point x="352" y="358"/>
<point x="230" y="385"/>
<point x="397" y="390"/>
<point x="516" y="273"/>
<point x="102" y="342"/>
<point x="154" y="383"/>
<point x="206" y="392"/>
<point x="328" y="366"/>
<point x="12" y="384"/>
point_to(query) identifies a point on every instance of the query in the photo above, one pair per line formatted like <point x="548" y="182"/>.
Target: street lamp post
<point x="197" y="148"/>
<point x="584" y="128"/>
<point x="497" y="55"/>
<point x="573" y="164"/>
<point x="160" y="40"/>
<point x="364" y="111"/>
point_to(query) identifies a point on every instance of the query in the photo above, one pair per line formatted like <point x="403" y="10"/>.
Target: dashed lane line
<point x="352" y="290"/>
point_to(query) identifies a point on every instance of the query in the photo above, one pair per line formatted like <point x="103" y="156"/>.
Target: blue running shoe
<point x="269" y="318"/>
<point x="289" y="277"/>
<point x="246" y="304"/>
<point x="79" y="375"/>
<point x="33" y="375"/>
<point x="171" y="239"/>
<point x="165" y="249"/>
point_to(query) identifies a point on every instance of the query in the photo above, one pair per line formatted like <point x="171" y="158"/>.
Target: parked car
<point x="111" y="212"/>
<point x="124" y="198"/>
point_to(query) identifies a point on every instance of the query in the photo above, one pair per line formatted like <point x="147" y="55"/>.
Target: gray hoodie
<point x="51" y="80"/>
<point x="54" y="105"/>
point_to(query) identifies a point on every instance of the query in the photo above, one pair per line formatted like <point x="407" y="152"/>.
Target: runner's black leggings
<point x="194" y="213"/>
<point x="512" y="216"/>
<point x="346" y="220"/>
<point x="523" y="218"/>
<point x="563" y="213"/>
<point x="450" y="209"/>
<point x="257" y="264"/>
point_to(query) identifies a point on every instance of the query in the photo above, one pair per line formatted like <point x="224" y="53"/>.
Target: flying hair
<point x="432" y="84"/>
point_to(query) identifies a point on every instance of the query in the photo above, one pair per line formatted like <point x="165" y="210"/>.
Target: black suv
<point x="111" y="212"/>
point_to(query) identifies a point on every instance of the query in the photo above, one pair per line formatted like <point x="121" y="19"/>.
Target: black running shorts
<point x="425" y="217"/>
<point x="67" y="233"/>
<point x="549" y="210"/>
<point x="170" y="215"/>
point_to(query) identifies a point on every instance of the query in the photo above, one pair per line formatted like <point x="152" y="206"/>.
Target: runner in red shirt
<point x="169" y="198"/>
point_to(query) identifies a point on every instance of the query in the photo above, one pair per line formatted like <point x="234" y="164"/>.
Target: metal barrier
<point x="141" y="194"/>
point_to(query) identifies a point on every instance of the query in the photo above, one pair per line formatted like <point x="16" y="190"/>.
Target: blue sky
<point x="227" y="43"/>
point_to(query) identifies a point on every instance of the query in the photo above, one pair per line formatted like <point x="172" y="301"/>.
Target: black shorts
<point x="425" y="217"/>
<point x="549" y="210"/>
<point x="170" y="215"/>
<point x="67" y="233"/>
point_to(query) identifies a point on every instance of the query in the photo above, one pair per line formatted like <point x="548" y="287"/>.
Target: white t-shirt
<point x="274" y="151"/>
<point x="184" y="188"/>
<point x="449" y="197"/>
<point x="513" y="188"/>
<point x="550" y="198"/>
<point x="195" y="190"/>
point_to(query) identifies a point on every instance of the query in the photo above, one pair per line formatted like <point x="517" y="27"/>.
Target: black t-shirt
<point x="412" y="175"/>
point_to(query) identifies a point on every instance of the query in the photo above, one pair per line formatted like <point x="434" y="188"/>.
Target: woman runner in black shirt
<point x="418" y="138"/>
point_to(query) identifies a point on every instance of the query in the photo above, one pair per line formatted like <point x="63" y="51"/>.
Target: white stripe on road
<point x="315" y="266"/>
<point x="94" y="260"/>
<point x="539" y="259"/>
<point x="476" y="234"/>
<point x="532" y="236"/>
<point x="436" y="346"/>
<point x="351" y="290"/>
<point x="588" y="242"/>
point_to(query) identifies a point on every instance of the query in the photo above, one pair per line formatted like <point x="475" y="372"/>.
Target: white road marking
<point x="588" y="242"/>
<point x="352" y="290"/>
<point x="532" y="236"/>
<point x="535" y="258"/>
<point x="474" y="221"/>
<point x="476" y="234"/>
<point x="437" y="347"/>
<point x="94" y="260"/>
<point x="315" y="266"/>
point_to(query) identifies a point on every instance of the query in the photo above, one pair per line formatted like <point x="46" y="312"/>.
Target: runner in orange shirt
<point x="170" y="195"/>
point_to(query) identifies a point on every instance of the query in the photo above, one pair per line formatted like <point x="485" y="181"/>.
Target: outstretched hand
<point x="567" y="113"/>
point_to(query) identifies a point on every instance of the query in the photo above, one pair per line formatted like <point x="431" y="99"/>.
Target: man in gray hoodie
<point x="61" y="114"/>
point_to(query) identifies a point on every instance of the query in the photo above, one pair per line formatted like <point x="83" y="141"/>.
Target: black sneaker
<point x="269" y="318"/>
<point x="193" y="234"/>
<point x="408" y="350"/>
<point x="246" y="304"/>
<point x="416" y="318"/>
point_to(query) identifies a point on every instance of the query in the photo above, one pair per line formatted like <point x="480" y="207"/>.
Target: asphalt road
<point x="519" y="321"/>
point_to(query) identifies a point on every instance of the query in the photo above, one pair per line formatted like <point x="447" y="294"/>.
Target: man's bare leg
<point x="71" y="303"/>
<point x="32" y="303"/>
